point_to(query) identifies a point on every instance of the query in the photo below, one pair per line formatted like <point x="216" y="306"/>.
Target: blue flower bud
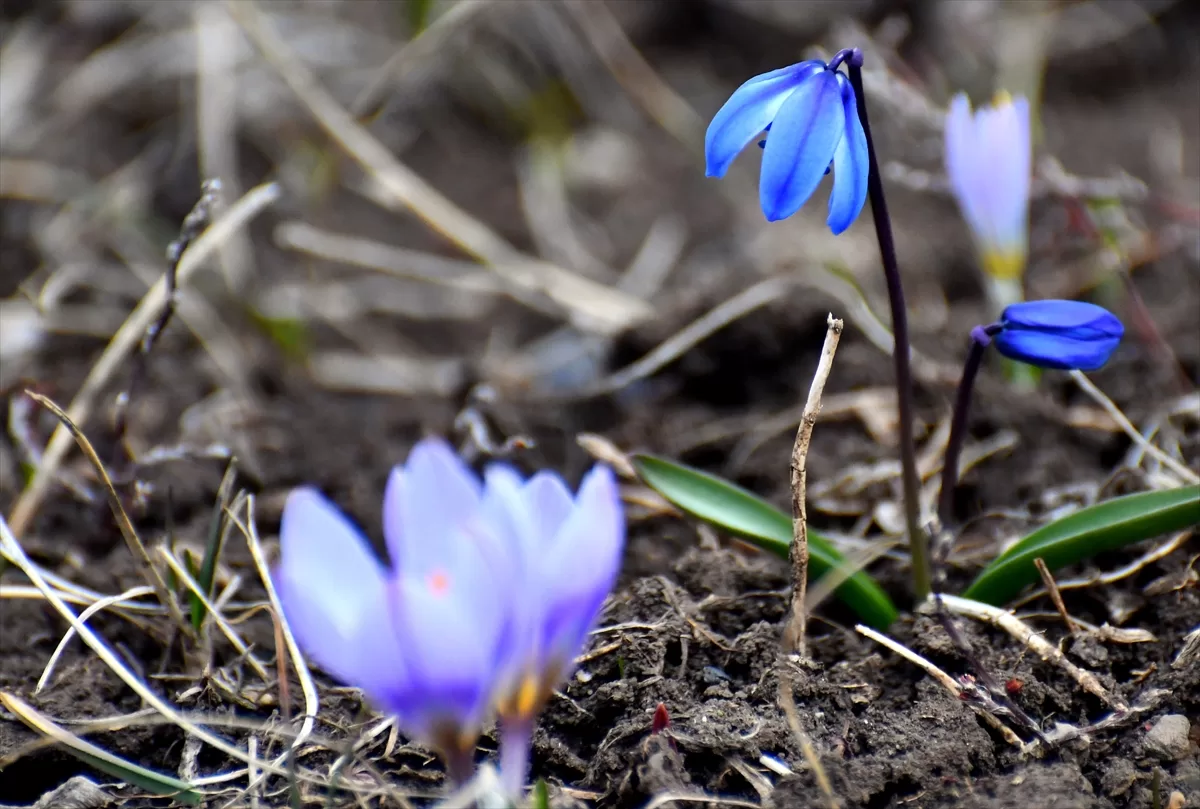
<point x="1064" y="335"/>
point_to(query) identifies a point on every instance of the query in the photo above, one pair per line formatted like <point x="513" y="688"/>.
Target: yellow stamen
<point x="1003" y="266"/>
<point x="528" y="696"/>
<point x="1001" y="99"/>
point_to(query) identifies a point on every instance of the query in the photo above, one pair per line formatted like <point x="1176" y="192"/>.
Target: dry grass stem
<point x="795" y="630"/>
<point x="148" y="569"/>
<point x="214" y="612"/>
<point x="592" y="306"/>
<point x="124" y="342"/>
<point x="110" y="658"/>
<point x="48" y="672"/>
<point x="669" y="350"/>
<point x="1176" y="466"/>
<point x="307" y="686"/>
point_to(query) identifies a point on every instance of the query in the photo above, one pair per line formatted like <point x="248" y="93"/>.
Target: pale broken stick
<point x="946" y="681"/>
<point x="1003" y="619"/>
<point x="794" y="631"/>
<point x="124" y="342"/>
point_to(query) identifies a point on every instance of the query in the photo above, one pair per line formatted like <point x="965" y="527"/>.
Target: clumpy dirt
<point x="694" y="623"/>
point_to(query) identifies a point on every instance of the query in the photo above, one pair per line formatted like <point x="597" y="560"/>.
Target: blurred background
<point x="492" y="219"/>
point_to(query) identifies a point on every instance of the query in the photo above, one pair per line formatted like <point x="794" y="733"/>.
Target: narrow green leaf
<point x="747" y="515"/>
<point x="1096" y="529"/>
<point x="541" y="795"/>
<point x="419" y="12"/>
<point x="212" y="549"/>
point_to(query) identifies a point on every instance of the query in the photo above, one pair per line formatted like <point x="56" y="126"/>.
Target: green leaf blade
<point x="1099" y="528"/>
<point x="740" y="512"/>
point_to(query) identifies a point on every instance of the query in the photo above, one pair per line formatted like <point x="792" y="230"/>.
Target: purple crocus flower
<point x="1059" y="334"/>
<point x="988" y="162"/>
<point x="569" y="554"/>
<point x="490" y="595"/>
<point x="424" y="637"/>
<point x="812" y="121"/>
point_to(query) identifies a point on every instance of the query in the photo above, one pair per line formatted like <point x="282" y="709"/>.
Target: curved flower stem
<point x="917" y="539"/>
<point x="516" y="737"/>
<point x="981" y="338"/>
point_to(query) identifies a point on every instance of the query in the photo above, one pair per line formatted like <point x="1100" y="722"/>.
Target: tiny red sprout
<point x="1013" y="686"/>
<point x="661" y="719"/>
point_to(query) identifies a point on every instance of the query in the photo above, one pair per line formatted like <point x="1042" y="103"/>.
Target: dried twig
<point x="1125" y="571"/>
<point x="1055" y="596"/>
<point x="794" y="632"/>
<point x="1037" y="644"/>
<point x="966" y="691"/>
<point x="194" y="224"/>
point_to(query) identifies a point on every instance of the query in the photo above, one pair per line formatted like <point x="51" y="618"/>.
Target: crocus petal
<point x="425" y="501"/>
<point x="506" y="512"/>
<point x="1059" y="334"/>
<point x="550" y="503"/>
<point x="851" y="164"/>
<point x="582" y="565"/>
<point x="963" y="166"/>
<point x="450" y="661"/>
<point x="333" y="593"/>
<point x="748" y="112"/>
<point x="804" y="135"/>
<point x="988" y="161"/>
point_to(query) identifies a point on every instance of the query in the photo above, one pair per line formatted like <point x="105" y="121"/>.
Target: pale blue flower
<point x="813" y="124"/>
<point x="491" y="593"/>
<point x="1059" y="334"/>
<point x="569" y="554"/>
<point x="423" y="638"/>
<point x="988" y="161"/>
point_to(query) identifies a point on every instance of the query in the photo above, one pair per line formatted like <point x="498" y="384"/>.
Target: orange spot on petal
<point x="439" y="582"/>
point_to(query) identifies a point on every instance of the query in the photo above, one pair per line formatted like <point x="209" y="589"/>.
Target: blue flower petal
<point x="851" y="164"/>
<point x="748" y="112"/>
<point x="1058" y="334"/>
<point x="334" y="596"/>
<point x="803" y="139"/>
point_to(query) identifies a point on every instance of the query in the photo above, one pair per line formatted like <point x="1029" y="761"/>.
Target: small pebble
<point x="1168" y="738"/>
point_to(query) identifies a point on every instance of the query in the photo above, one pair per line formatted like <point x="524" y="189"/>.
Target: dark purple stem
<point x="981" y="338"/>
<point x="917" y="539"/>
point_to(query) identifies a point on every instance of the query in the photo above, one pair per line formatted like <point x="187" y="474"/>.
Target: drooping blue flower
<point x="1059" y="334"/>
<point x="424" y="637"/>
<point x="988" y="161"/>
<point x="811" y="120"/>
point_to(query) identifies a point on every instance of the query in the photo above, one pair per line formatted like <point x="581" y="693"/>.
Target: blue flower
<point x="988" y="156"/>
<point x="812" y="119"/>
<point x="1065" y="335"/>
